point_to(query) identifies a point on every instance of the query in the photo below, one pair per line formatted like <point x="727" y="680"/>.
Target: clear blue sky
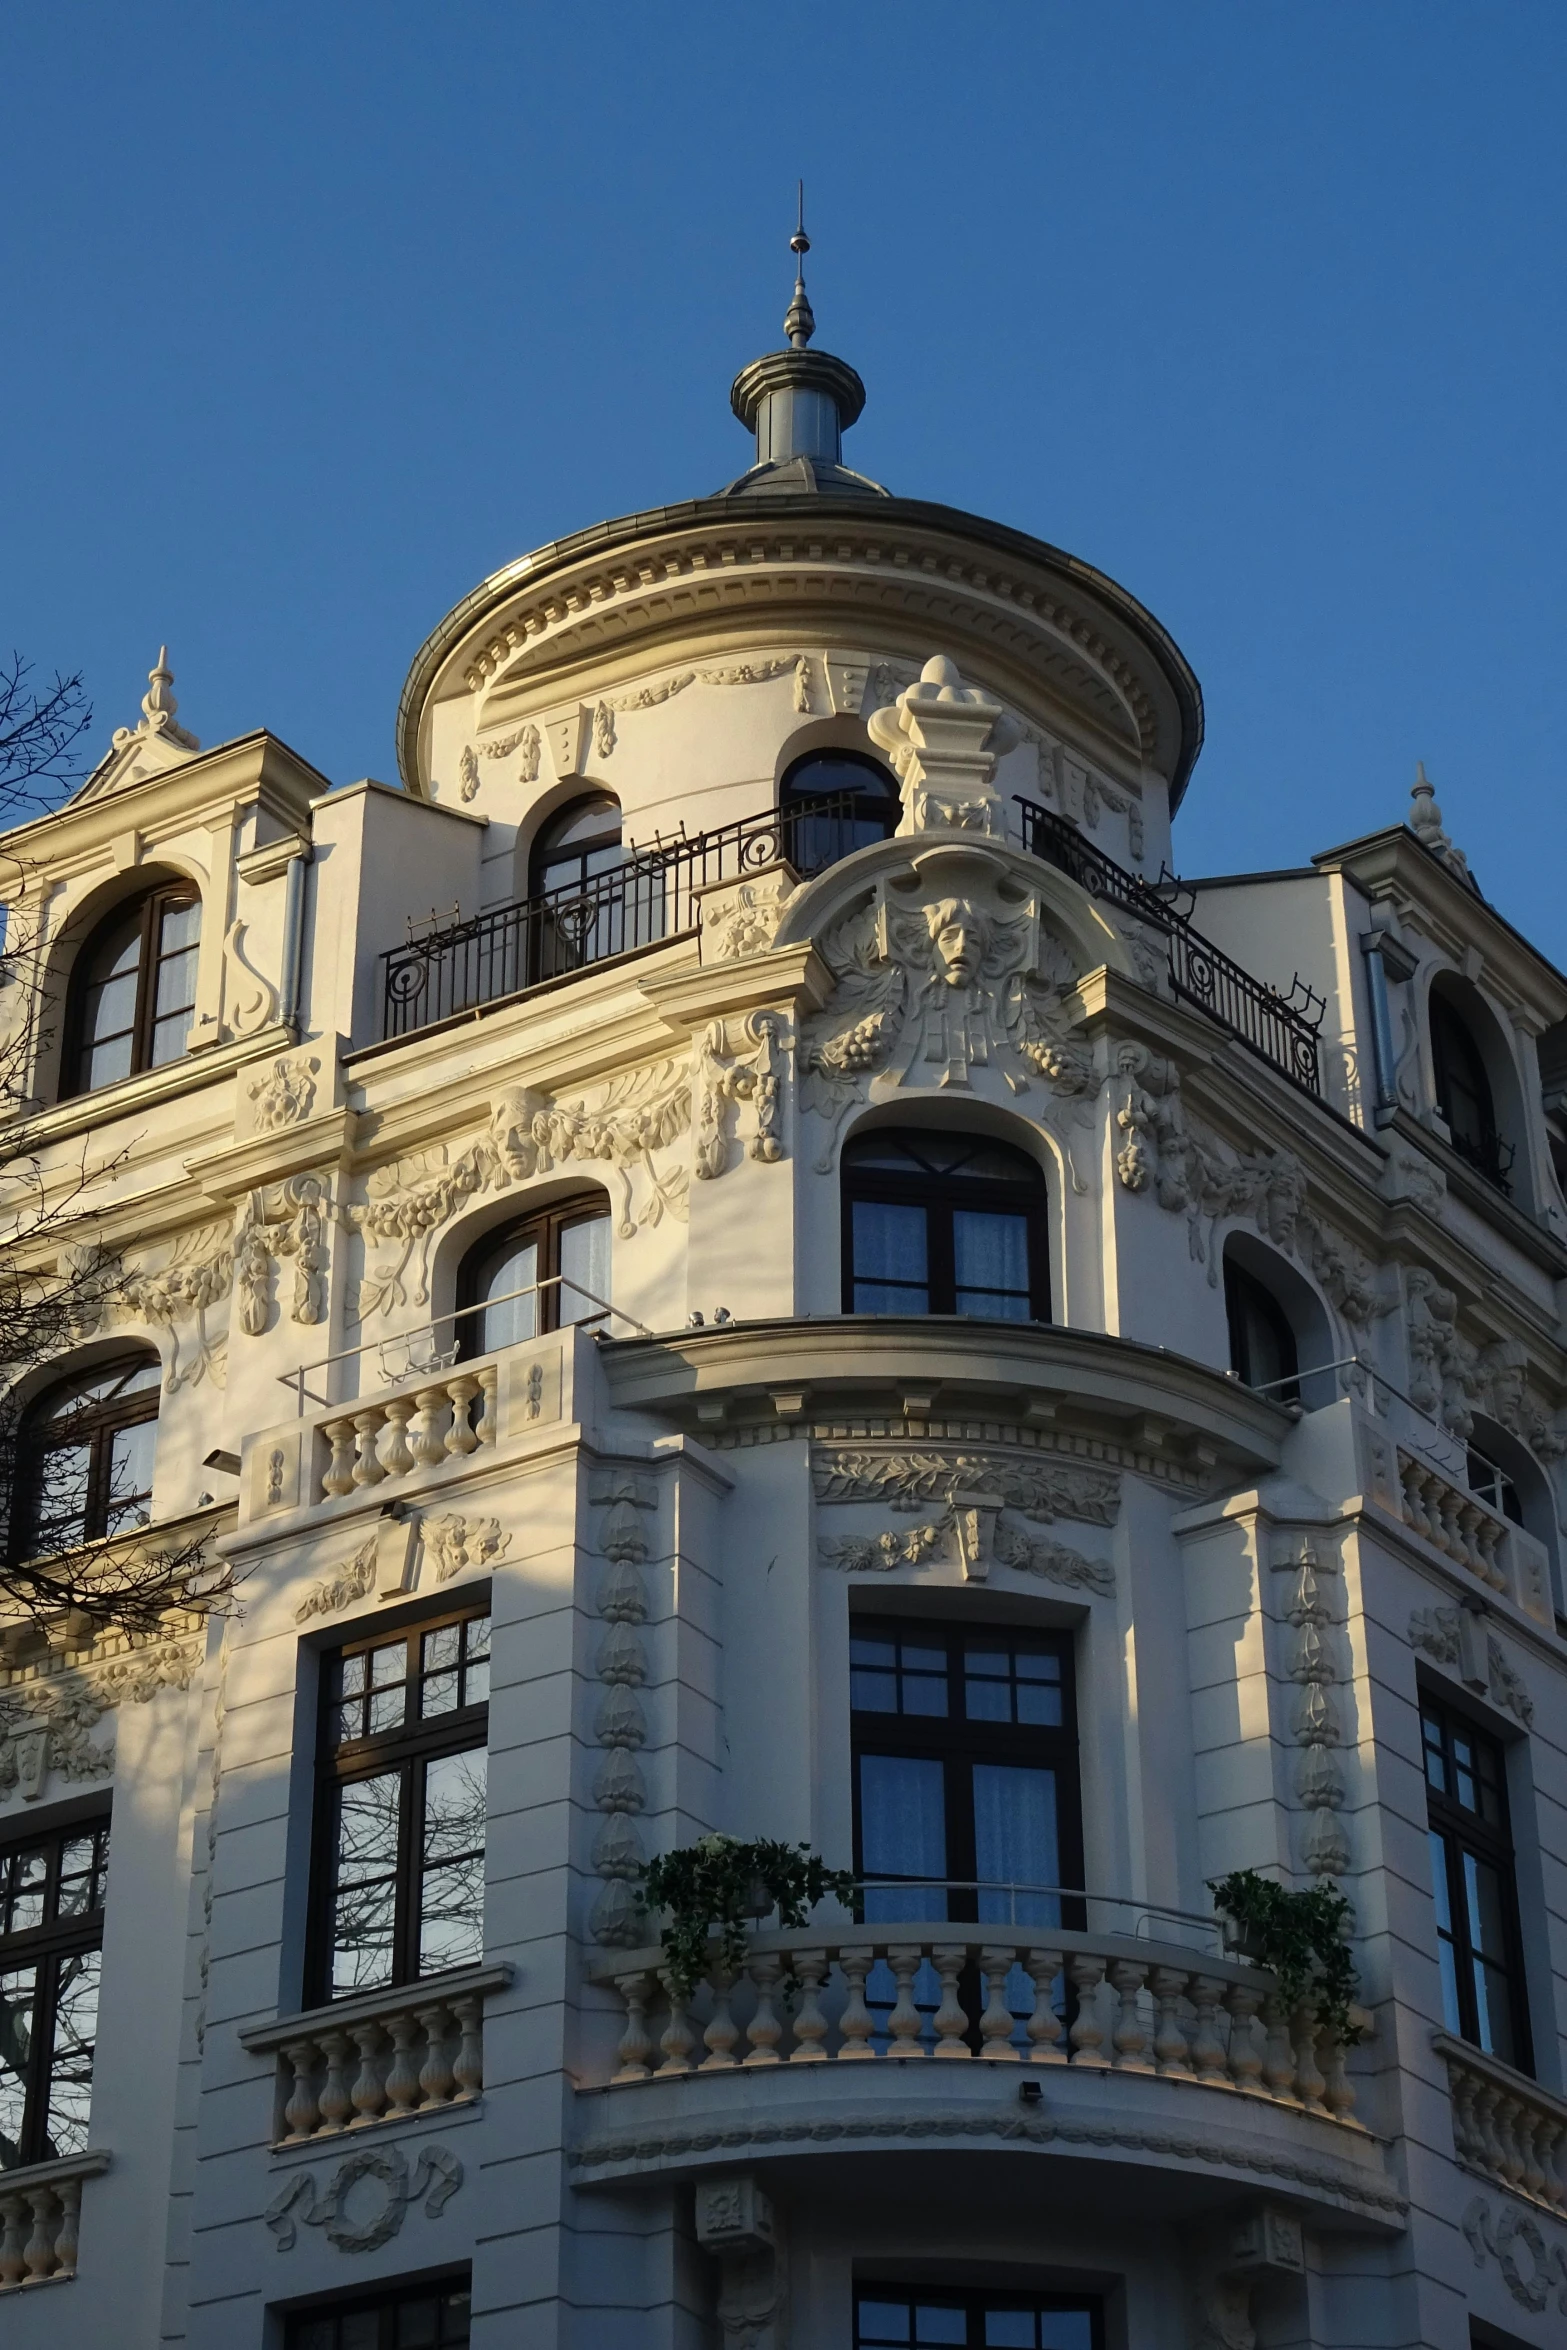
<point x="318" y="314"/>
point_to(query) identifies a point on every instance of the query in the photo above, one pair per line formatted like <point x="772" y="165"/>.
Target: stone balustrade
<point x="1506" y="2125"/>
<point x="1455" y="1520"/>
<point x="417" y="1427"/>
<point x="40" y="2219"/>
<point x="1008" y="1995"/>
<point x="381" y="2057"/>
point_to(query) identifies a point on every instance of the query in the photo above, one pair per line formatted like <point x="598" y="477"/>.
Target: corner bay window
<point x="1473" y="1886"/>
<point x="51" y="1929"/>
<point x="894" y="2317"/>
<point x="433" y="2316"/>
<point x="943" y="1223"/>
<point x="399" y="1879"/>
<point x="561" y="1256"/>
<point x="86" y="1457"/>
<point x="133" y="989"/>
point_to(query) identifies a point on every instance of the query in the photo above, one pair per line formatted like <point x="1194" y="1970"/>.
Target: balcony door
<point x="965" y="1772"/>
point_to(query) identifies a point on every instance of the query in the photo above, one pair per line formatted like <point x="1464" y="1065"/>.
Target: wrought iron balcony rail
<point x="1279" y="1028"/>
<point x="1488" y="1155"/>
<point x="454" y="967"/>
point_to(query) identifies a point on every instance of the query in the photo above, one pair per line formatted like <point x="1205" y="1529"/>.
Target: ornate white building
<point x="733" y="1256"/>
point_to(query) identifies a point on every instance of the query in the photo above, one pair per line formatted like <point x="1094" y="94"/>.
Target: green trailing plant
<point x="1298" y="1937"/>
<point x="720" y="1883"/>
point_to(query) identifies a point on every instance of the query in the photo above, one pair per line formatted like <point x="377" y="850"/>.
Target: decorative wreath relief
<point x="436" y="2176"/>
<point x="1300" y="1938"/>
<point x="721" y="1883"/>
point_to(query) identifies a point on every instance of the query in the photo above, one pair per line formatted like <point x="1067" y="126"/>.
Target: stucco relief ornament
<point x="47" y="1725"/>
<point x="195" y="1275"/>
<point x="976" y="1490"/>
<point x="740" y="1061"/>
<point x="356" y="2221"/>
<point x="943" y="739"/>
<point x="454" y="1542"/>
<point x="285" y="1094"/>
<point x="287" y="1219"/>
<point x="944" y="970"/>
<point x="742" y="919"/>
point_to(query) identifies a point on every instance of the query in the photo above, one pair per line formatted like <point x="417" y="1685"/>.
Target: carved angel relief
<point x="943" y="971"/>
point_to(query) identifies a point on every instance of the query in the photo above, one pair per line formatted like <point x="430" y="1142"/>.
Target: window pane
<point x="364" y="1892"/>
<point x="84" y="1863"/>
<point x="476" y="1654"/>
<point x="1065" y="2329"/>
<point x="441" y="1669"/>
<point x="1016" y="1842"/>
<point x="504" y="1324"/>
<point x="388" y="1700"/>
<point x="933" y="2323"/>
<point x="451" y="1911"/>
<point x="890" y="1265"/>
<point x="903" y="1833"/>
<point x="26" y="1882"/>
<point x="1451" y="2014"/>
<point x="884" y="2321"/>
<point x="18" y="1995"/>
<point x="64" y="1483"/>
<point x="181" y="931"/>
<point x="70" y="2067"/>
<point x="584" y="1261"/>
<point x="131" y="1452"/>
<point x="1009" y="2329"/>
<point x="990" y="1260"/>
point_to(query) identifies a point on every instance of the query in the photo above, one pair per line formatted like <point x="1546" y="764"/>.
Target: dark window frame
<point x="547" y="1224"/>
<point x="975" y="2302"/>
<point x="1458" y="1066"/>
<point x="1462" y="1830"/>
<point x="1246" y="1291"/>
<point x="163" y="898"/>
<point x="940" y="1195"/>
<point x="812" y="836"/>
<point x="305" y="2328"/>
<point x="549" y="874"/>
<point x="955" y="1740"/>
<point x="47" y="1947"/>
<point x="406" y="1748"/>
<point x="96" y="1425"/>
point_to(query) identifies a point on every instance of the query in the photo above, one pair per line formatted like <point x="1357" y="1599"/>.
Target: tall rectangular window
<point x="1473" y="1886"/>
<point x="894" y="2317"/>
<point x="51" y="1932"/>
<point x="399" y="1866"/>
<point x="965" y="1771"/>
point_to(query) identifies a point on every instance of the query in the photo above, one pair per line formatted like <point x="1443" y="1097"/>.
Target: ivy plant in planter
<point x="1299" y="1937"/>
<point x="720" y="1882"/>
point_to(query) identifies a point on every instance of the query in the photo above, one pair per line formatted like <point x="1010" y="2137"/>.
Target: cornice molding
<point x="71" y="838"/>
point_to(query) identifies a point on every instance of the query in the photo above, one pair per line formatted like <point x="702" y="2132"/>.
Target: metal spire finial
<point x="799" y="320"/>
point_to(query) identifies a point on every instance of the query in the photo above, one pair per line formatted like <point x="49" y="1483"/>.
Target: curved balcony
<point x="1045" y="2042"/>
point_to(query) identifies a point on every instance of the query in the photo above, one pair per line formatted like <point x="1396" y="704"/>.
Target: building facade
<point x="733" y="1258"/>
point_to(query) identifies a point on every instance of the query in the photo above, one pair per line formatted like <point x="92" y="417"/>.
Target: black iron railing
<point x="1282" y="1029"/>
<point x="453" y="967"/>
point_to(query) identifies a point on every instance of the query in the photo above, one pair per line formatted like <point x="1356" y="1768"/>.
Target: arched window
<point x="86" y="1452"/>
<point x="133" y="989"/>
<point x="576" y="845"/>
<point x="543" y="1272"/>
<point x="1263" y="1352"/>
<point x="832" y="802"/>
<point x="1463" y="1093"/>
<point x="942" y="1223"/>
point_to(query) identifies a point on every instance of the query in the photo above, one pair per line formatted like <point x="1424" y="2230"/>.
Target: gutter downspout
<point x="294" y="939"/>
<point x="1386" y="960"/>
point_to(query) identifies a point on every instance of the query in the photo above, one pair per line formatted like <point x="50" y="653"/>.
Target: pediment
<point x="156" y="743"/>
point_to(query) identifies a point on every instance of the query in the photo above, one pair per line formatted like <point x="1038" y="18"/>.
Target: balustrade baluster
<point x="1338" y="2093"/>
<point x="368" y="2094"/>
<point x="1488" y="1547"/>
<point x="857" y="2024"/>
<point x="1467" y="2142"/>
<point x="1087" y="2034"/>
<point x="764" y="2031"/>
<point x="468" y="2070"/>
<point x="435" y="2074"/>
<point x="678" y="2039"/>
<point x="367" y="1468"/>
<point x="68" y="2234"/>
<point x="1245" y="2061"/>
<point x="1207" y="2049"/>
<point x="396" y="1458"/>
<point x="1044" y="2025"/>
<point x="635" y="2044"/>
<point x="905" y="2024"/>
<point x="722" y="2032"/>
<point x="1550" y="2137"/>
<point x="13" y="2243"/>
<point x="1309" y="2083"/>
<point x="339" y="1478"/>
<point x="485" y="1426"/>
<point x="426" y="1438"/>
<point x="336" y="2101"/>
<point x="1129" y="2039"/>
<point x="1169" y="2040"/>
<point x="1278" y="2056"/>
<point x="402" y="2074"/>
<point x="39" y="2254"/>
<point x="301" y="2112"/>
<point x="951" y="2022"/>
<point x="997" y="2024"/>
<point x="810" y="2025"/>
<point x="462" y="1389"/>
